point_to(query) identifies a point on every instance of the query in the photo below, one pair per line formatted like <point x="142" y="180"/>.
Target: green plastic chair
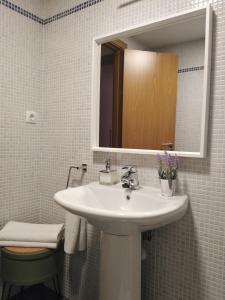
<point x="26" y="267"/>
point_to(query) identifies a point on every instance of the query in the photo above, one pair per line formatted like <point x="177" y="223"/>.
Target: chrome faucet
<point x="130" y="178"/>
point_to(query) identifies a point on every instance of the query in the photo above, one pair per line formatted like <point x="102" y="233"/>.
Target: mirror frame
<point x="162" y="22"/>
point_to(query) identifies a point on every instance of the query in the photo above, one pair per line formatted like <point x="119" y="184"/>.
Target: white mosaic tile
<point x="36" y="7"/>
<point x="20" y="88"/>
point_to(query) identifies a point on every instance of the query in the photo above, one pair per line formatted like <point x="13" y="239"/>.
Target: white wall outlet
<point x="31" y="117"/>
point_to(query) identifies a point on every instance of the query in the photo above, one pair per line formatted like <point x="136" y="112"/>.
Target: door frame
<point x="118" y="47"/>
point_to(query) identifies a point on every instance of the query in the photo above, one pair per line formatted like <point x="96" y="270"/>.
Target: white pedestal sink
<point x="121" y="215"/>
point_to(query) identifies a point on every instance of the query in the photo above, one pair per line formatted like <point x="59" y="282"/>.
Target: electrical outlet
<point x="31" y="117"/>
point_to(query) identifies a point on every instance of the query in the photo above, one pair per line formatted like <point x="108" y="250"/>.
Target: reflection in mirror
<point x="151" y="88"/>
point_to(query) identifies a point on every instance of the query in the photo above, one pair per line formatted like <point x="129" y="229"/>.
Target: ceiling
<point x="176" y="33"/>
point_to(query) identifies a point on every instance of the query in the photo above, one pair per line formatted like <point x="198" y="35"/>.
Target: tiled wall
<point x="20" y="88"/>
<point x="186" y="259"/>
<point x="34" y="7"/>
<point x="53" y="7"/>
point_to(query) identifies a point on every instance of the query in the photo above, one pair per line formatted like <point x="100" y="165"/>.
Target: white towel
<point x="31" y="233"/>
<point x="75" y="233"/>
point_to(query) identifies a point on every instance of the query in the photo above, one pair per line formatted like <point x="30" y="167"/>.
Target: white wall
<point x="34" y="7"/>
<point x="133" y="44"/>
<point x="53" y="7"/>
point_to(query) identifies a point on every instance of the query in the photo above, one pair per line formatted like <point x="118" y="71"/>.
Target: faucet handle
<point x="131" y="169"/>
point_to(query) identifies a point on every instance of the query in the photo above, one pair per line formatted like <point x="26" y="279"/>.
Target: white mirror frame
<point x="96" y="59"/>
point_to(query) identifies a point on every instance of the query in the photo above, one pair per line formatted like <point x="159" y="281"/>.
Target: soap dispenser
<point x="108" y="176"/>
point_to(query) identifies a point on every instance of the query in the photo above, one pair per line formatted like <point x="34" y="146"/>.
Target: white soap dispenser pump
<point x="108" y="176"/>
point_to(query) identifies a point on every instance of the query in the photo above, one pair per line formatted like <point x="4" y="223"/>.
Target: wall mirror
<point x="151" y="86"/>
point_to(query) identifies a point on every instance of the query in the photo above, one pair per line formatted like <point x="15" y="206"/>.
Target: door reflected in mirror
<point x="151" y="89"/>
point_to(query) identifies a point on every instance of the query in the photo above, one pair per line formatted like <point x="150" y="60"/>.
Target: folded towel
<point x="34" y="233"/>
<point x="28" y="244"/>
<point x="75" y="233"/>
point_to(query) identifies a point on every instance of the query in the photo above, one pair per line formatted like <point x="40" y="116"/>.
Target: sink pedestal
<point x="121" y="220"/>
<point x="120" y="267"/>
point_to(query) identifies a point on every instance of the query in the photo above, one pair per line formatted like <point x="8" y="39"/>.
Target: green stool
<point x="27" y="266"/>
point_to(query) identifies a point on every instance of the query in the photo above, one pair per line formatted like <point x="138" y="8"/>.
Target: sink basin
<point x="118" y="210"/>
<point x="121" y="215"/>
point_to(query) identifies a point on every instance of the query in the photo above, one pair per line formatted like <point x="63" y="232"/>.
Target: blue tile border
<point x="72" y="10"/>
<point x="22" y="11"/>
<point x="58" y="16"/>
<point x="191" y="69"/>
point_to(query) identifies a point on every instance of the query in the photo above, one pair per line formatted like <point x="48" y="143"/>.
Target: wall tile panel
<point x="185" y="260"/>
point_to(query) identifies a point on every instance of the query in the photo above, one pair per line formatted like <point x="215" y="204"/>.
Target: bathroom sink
<point x="118" y="210"/>
<point x="121" y="215"/>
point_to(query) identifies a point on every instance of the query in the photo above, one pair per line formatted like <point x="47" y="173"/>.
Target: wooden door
<point x="149" y="99"/>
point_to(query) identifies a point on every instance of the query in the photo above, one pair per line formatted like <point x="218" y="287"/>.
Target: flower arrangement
<point x="168" y="166"/>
